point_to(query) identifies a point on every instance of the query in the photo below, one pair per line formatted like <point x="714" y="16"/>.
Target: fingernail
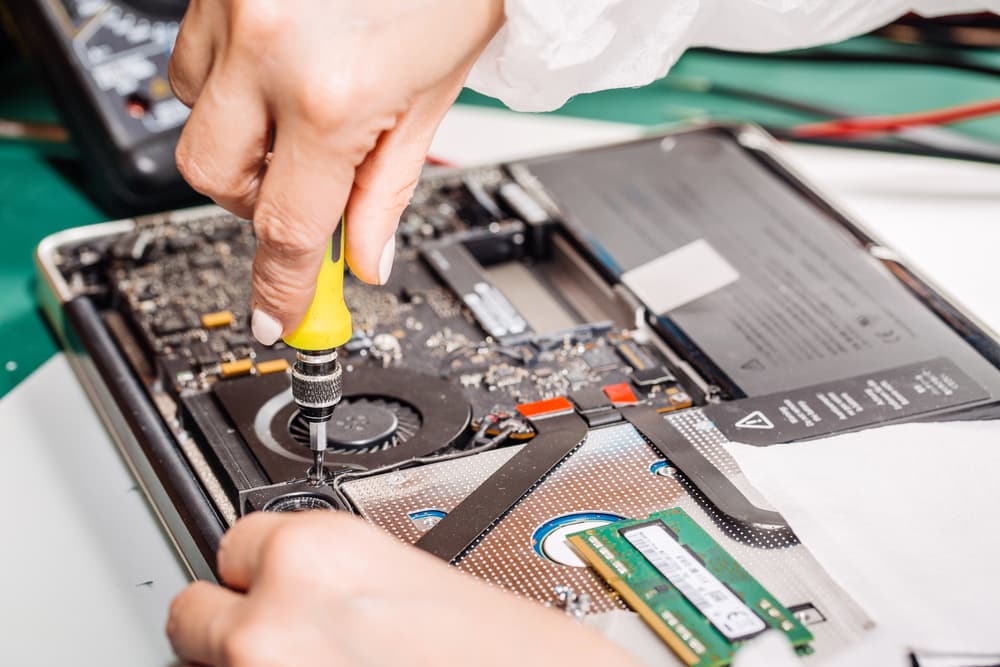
<point x="265" y="328"/>
<point x="385" y="261"/>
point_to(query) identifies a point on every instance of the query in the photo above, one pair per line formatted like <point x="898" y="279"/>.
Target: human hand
<point x="350" y="93"/>
<point x="325" y="588"/>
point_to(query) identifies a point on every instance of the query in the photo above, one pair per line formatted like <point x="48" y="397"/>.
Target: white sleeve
<point x="550" y="50"/>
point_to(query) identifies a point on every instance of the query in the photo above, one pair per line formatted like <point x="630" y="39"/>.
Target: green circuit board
<point x="694" y="595"/>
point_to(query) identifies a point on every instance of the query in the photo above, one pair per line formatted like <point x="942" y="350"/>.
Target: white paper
<point x="876" y="649"/>
<point x="906" y="518"/>
<point x="86" y="575"/>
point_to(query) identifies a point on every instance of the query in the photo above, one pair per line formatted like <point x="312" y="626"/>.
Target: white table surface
<point x="86" y="574"/>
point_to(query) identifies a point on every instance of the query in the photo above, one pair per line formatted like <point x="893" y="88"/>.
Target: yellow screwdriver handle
<point x="328" y="322"/>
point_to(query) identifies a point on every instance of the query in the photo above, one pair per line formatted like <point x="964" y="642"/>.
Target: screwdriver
<point x="317" y="383"/>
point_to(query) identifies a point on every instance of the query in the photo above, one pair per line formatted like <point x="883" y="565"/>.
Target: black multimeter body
<point x="106" y="65"/>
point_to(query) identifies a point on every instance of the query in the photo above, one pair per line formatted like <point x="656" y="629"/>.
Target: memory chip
<point x="718" y="604"/>
<point x="691" y="591"/>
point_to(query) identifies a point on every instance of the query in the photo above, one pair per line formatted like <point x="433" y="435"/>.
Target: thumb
<point x="385" y="181"/>
<point x="298" y="209"/>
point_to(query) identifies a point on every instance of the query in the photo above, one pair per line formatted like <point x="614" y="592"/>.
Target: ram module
<point x="693" y="594"/>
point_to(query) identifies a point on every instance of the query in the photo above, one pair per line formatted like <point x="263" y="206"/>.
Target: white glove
<point x="550" y="50"/>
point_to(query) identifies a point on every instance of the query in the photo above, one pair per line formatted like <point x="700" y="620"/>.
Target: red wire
<point x="848" y="127"/>
<point x="438" y="162"/>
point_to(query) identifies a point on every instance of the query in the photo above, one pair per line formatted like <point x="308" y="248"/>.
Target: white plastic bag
<point x="550" y="50"/>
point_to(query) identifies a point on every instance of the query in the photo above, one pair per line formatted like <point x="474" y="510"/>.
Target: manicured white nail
<point x="265" y="328"/>
<point x="385" y="261"/>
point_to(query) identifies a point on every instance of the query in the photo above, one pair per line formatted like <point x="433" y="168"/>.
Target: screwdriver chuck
<point x="317" y="384"/>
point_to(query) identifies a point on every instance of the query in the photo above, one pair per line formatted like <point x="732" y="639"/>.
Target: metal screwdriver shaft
<point x="317" y="442"/>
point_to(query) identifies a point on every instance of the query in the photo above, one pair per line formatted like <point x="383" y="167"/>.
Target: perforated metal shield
<point x="615" y="472"/>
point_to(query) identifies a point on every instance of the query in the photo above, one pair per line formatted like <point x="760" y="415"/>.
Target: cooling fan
<point x="387" y="415"/>
<point x="363" y="425"/>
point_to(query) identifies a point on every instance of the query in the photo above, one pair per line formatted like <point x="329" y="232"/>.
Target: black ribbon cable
<point x="713" y="484"/>
<point x="557" y="437"/>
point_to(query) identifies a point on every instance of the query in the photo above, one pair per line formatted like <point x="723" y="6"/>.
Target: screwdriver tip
<point x="317" y="442"/>
<point x="317" y="474"/>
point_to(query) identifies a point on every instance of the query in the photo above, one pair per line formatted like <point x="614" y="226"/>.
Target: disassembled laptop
<point x="519" y="380"/>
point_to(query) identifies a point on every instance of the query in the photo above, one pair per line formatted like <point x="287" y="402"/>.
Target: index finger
<point x="299" y="205"/>
<point x="194" y="51"/>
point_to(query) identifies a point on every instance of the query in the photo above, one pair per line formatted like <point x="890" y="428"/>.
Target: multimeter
<point x="106" y="64"/>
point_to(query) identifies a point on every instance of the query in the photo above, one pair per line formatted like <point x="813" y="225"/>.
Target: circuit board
<point x="693" y="594"/>
<point x="178" y="294"/>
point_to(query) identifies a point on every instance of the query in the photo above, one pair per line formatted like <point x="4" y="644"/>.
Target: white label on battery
<point x="734" y="619"/>
<point x="680" y="277"/>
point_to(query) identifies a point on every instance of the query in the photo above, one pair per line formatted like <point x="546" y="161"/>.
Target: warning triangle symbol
<point x="754" y="364"/>
<point x="755" y="419"/>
